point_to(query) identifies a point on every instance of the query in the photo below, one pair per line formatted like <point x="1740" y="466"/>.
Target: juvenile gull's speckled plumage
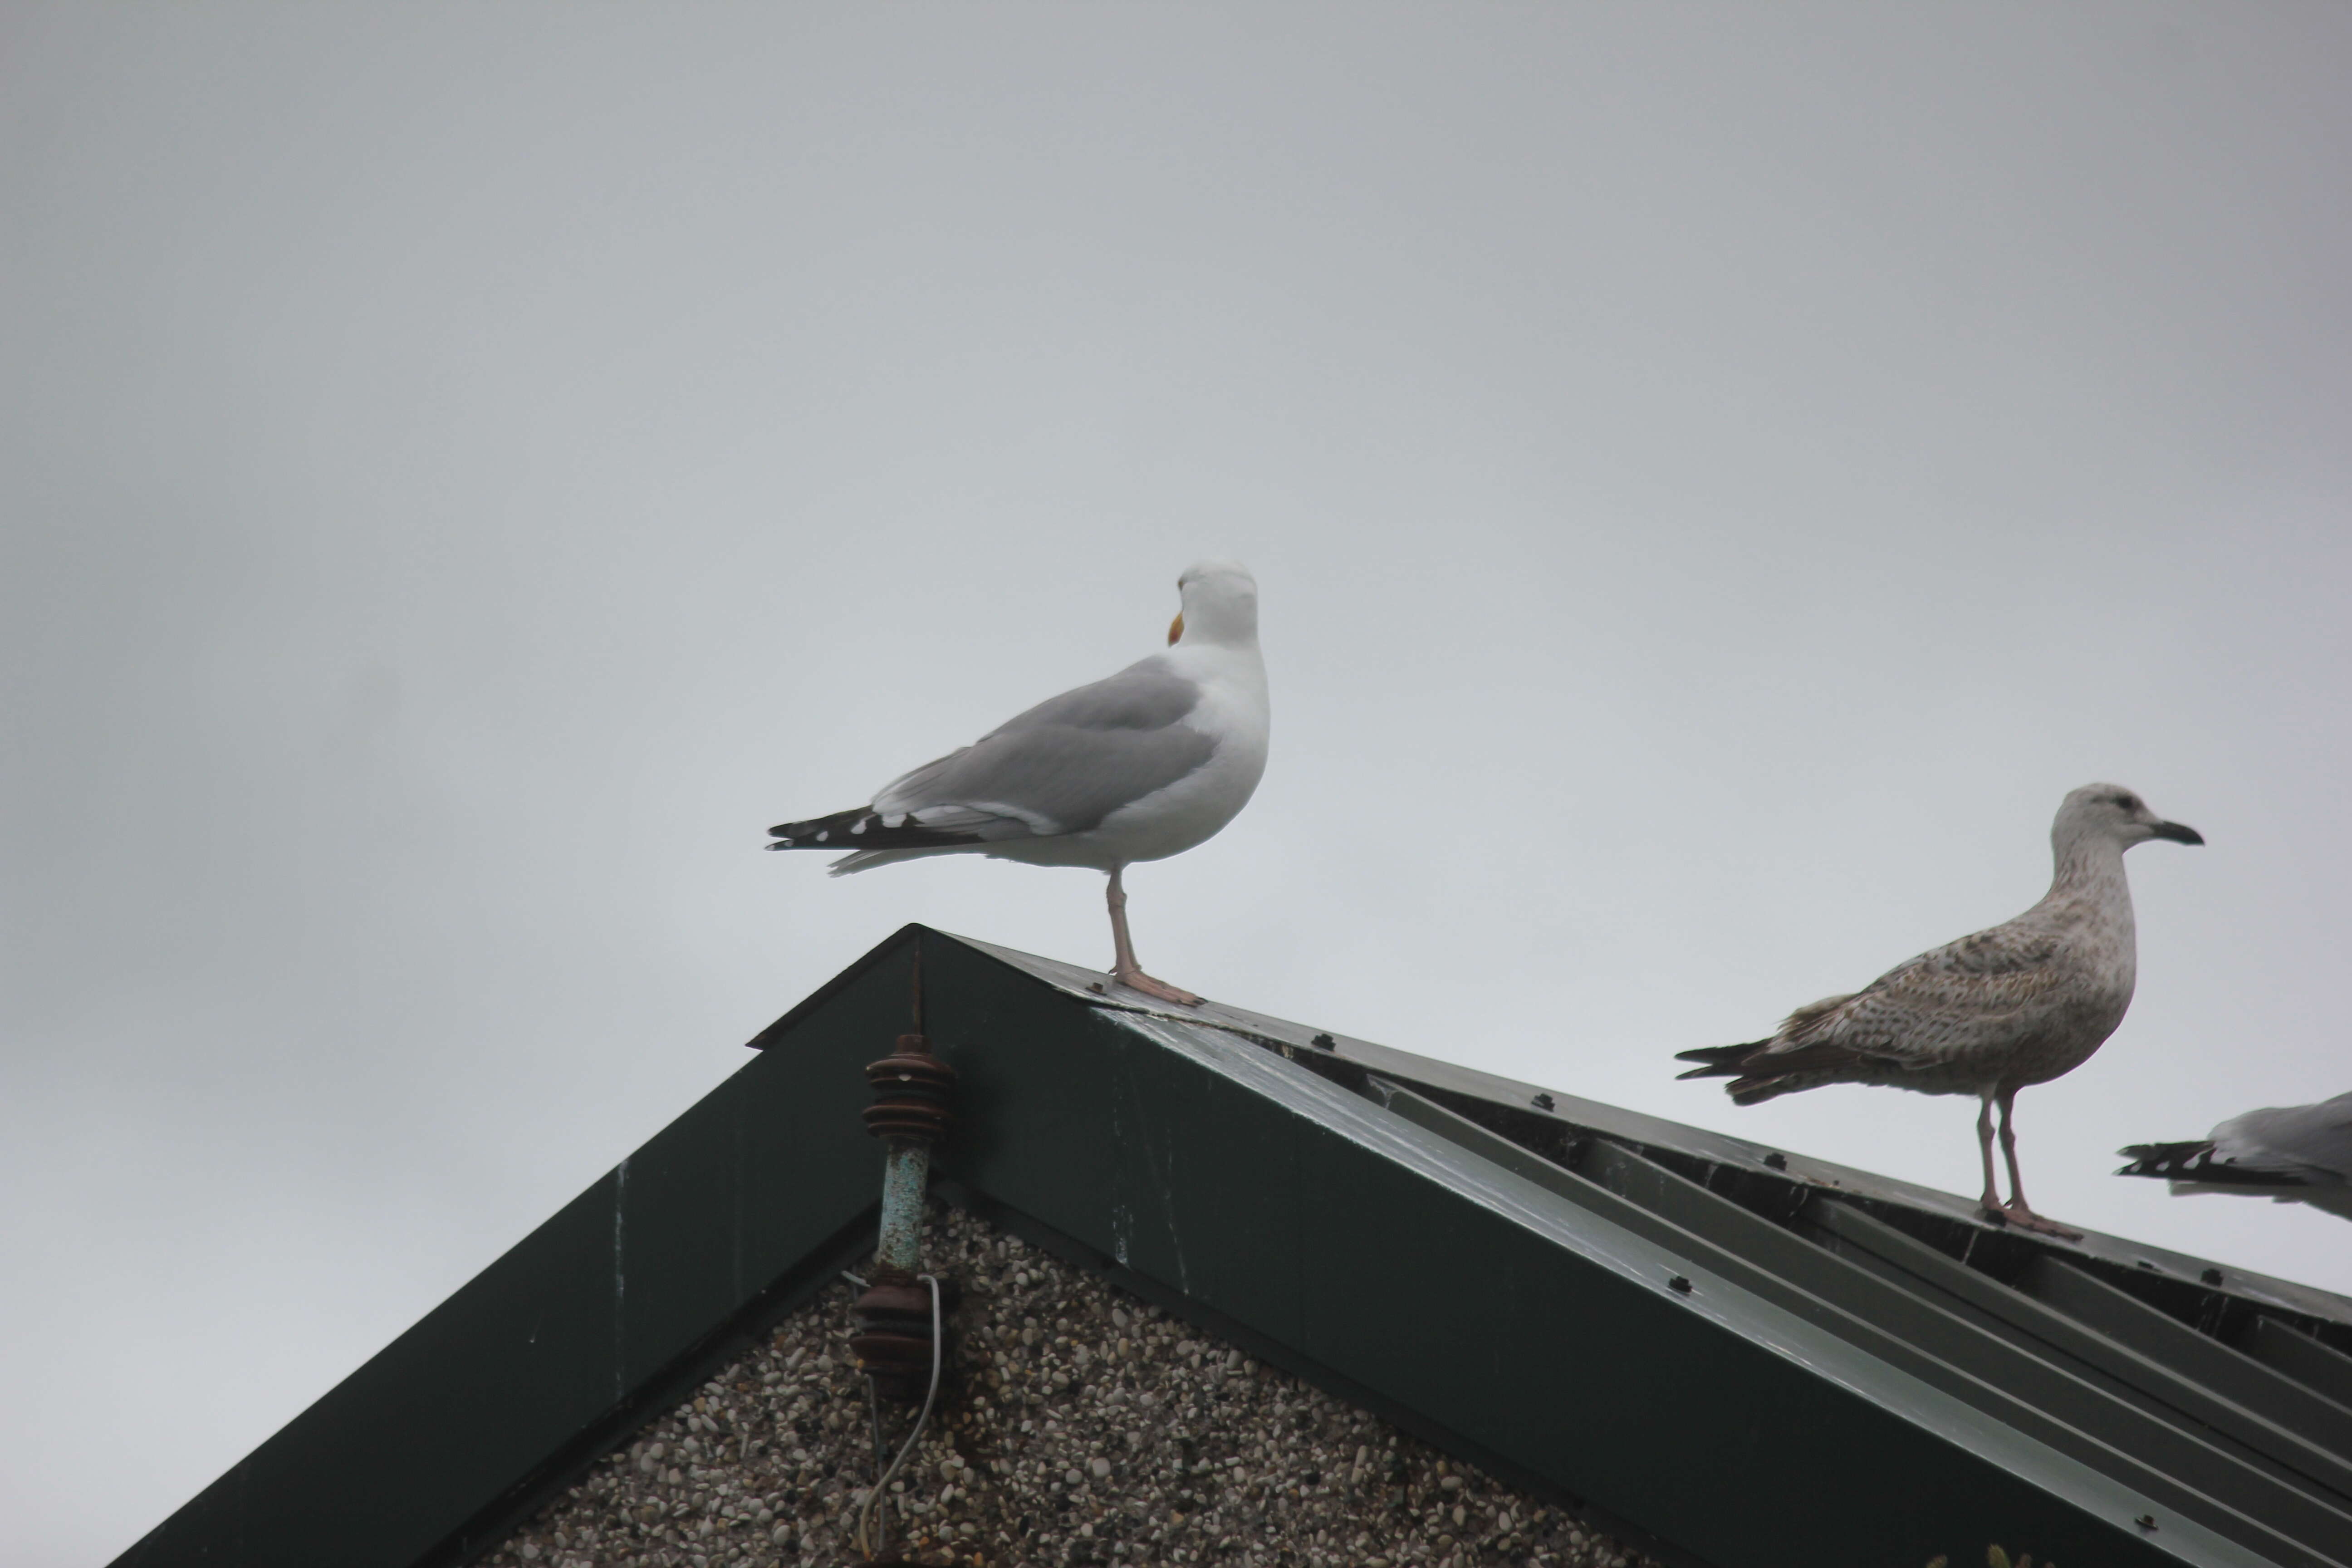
<point x="2293" y="1154"/>
<point x="2020" y="1003"/>
<point x="1140" y="766"/>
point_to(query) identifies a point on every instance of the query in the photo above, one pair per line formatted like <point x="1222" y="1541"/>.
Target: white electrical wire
<point x="866" y="1514"/>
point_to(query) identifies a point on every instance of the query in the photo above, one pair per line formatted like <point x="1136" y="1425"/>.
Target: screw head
<point x="1541" y="1102"/>
<point x="1324" y="1043"/>
<point x="1777" y="1160"/>
<point x="2211" y="1277"/>
<point x="1680" y="1285"/>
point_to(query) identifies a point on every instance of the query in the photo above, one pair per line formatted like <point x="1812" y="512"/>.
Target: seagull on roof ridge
<point x="2290" y="1153"/>
<point x="1139" y="766"/>
<point x="1989" y="1014"/>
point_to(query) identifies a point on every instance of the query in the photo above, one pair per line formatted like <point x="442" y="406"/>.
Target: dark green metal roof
<point x="1744" y="1358"/>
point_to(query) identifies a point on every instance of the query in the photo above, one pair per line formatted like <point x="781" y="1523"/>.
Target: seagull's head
<point x="1220" y="605"/>
<point x="2112" y="812"/>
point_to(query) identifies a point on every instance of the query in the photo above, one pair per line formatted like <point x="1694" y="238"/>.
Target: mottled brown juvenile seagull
<point x="2021" y="1003"/>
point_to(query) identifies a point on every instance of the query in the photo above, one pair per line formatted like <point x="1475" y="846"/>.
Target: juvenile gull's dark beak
<point x="2179" y="832"/>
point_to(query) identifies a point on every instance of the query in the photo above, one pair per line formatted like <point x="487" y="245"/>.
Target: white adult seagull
<point x="1140" y="766"/>
<point x="2293" y="1153"/>
<point x="1988" y="1014"/>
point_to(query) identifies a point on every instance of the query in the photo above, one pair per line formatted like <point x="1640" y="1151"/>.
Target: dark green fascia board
<point x="731" y="1215"/>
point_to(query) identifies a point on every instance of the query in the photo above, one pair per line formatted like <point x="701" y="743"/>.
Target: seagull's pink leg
<point x="1124" y="969"/>
<point x="2018" y="1212"/>
<point x="1991" y="1202"/>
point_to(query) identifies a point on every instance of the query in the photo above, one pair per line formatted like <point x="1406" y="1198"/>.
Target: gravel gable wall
<point x="1087" y="1428"/>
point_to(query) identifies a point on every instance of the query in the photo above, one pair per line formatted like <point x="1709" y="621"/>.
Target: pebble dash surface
<point x="1086" y="1427"/>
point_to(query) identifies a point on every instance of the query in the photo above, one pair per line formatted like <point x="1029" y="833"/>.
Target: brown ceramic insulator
<point x="899" y="1364"/>
<point x="914" y="1093"/>
<point x="893" y="1344"/>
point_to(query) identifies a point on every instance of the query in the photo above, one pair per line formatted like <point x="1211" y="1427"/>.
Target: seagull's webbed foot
<point x="1123" y="966"/>
<point x="1136" y="980"/>
<point x="2016" y="1213"/>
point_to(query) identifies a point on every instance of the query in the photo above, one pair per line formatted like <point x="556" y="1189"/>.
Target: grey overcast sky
<point x="1718" y="474"/>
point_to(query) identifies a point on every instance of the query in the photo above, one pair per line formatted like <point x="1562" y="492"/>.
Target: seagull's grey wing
<point x="1064" y="764"/>
<point x="2314" y="1142"/>
<point x="1936" y="1008"/>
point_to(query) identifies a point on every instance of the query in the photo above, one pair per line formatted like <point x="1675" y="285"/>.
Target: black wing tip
<point x="2193" y="1162"/>
<point x="830" y="832"/>
<point x="861" y="827"/>
<point x="2166" y="1159"/>
<point x="1720" y="1061"/>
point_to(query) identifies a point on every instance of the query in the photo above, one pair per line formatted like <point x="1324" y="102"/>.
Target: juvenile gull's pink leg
<point x="1991" y="1202"/>
<point x="2018" y="1212"/>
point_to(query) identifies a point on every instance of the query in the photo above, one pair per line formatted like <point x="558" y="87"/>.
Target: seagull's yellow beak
<point x="1176" y="628"/>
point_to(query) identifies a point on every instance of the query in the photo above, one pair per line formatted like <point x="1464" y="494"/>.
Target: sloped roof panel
<point x="1750" y="1358"/>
